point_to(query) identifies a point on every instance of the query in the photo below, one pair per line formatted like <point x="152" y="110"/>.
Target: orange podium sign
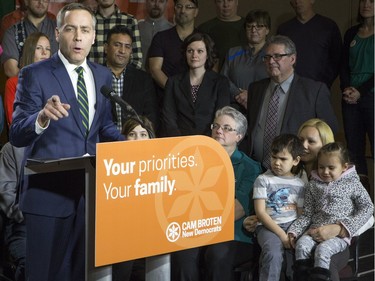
<point x="161" y="195"/>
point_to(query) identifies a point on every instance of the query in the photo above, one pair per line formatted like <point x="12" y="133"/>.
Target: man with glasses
<point x="36" y="20"/>
<point x="226" y="29"/>
<point x="298" y="99"/>
<point x="243" y="64"/>
<point x="165" y="57"/>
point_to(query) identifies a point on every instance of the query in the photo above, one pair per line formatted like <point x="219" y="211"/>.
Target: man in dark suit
<point x="48" y="121"/>
<point x="300" y="99"/>
<point x="133" y="85"/>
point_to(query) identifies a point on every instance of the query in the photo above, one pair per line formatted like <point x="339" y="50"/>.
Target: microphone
<point x="111" y="94"/>
<point x="126" y="107"/>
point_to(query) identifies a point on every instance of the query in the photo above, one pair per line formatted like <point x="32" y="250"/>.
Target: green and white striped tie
<point x="83" y="101"/>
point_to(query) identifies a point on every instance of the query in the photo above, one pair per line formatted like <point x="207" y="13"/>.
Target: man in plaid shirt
<point x="107" y="16"/>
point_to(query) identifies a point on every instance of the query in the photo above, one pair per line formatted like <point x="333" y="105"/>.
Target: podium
<point x="156" y="267"/>
<point x="151" y="176"/>
<point x="86" y="163"/>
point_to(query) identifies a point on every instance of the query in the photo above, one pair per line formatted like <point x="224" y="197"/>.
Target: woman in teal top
<point x="357" y="85"/>
<point x="228" y="129"/>
<point x="216" y="262"/>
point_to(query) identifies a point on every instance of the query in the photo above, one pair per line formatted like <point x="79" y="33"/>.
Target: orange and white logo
<point x="161" y="195"/>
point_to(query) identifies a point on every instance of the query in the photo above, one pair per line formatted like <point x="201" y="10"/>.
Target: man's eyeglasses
<point x="187" y="7"/>
<point x="276" y="57"/>
<point x="255" y="26"/>
<point x="225" y="128"/>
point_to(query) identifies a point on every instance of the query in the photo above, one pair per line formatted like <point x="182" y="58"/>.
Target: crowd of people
<point x="299" y="195"/>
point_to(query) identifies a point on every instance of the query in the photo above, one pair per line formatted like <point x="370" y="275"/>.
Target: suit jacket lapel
<point x="128" y="80"/>
<point x="62" y="77"/>
<point x="260" y="96"/>
<point x="185" y="87"/>
<point x="99" y="97"/>
<point x="206" y="88"/>
<point x="290" y="102"/>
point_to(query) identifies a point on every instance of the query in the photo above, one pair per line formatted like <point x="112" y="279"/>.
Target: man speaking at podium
<point x="59" y="113"/>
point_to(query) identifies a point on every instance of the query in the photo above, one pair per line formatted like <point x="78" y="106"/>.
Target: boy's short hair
<point x="292" y="144"/>
<point x="289" y="142"/>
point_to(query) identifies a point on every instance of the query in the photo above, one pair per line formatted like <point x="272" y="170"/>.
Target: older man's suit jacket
<point x="307" y="99"/>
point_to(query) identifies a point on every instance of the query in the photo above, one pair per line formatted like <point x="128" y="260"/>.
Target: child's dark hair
<point x="143" y="121"/>
<point x="292" y="144"/>
<point x="336" y="147"/>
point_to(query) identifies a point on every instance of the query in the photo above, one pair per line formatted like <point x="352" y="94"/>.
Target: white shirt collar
<point x="71" y="67"/>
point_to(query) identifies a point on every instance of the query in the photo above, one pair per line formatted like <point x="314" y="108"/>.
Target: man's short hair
<point x="289" y="45"/>
<point x="72" y="7"/>
<point x="119" y="29"/>
<point x="195" y="2"/>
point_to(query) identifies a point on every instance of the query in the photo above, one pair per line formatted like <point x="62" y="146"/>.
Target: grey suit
<point x="307" y="99"/>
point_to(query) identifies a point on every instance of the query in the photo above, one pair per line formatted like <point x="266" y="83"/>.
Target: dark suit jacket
<point x="180" y="116"/>
<point x="307" y="99"/>
<point x="139" y="92"/>
<point x="51" y="194"/>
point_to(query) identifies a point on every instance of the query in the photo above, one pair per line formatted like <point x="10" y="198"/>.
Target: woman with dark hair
<point x="37" y="47"/>
<point x="138" y="129"/>
<point x="192" y="97"/>
<point x="357" y="85"/>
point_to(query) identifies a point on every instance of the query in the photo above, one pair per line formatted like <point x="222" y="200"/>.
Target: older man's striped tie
<point x="271" y="124"/>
